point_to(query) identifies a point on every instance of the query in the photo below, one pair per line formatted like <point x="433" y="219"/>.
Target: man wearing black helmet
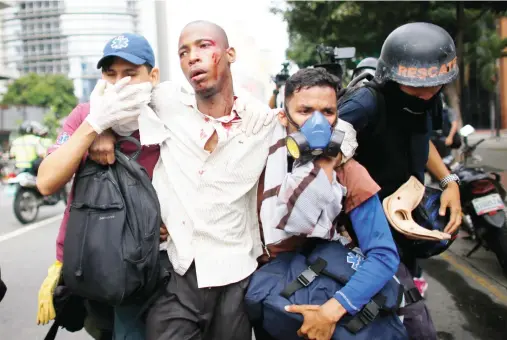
<point x="367" y="65"/>
<point x="392" y="116"/>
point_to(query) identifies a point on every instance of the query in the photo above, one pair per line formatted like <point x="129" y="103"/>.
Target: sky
<point x="260" y="37"/>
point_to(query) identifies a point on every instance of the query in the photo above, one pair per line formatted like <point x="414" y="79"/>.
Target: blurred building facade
<point x="64" y="37"/>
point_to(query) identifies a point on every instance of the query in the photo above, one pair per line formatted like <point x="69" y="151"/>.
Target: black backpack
<point x="111" y="248"/>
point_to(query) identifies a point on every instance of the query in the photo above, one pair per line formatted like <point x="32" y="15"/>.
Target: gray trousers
<point x="417" y="319"/>
<point x="186" y="312"/>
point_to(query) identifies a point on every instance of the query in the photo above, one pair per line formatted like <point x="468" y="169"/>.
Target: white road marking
<point x="33" y="226"/>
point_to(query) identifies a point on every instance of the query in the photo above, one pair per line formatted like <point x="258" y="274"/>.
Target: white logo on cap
<point x="119" y="42"/>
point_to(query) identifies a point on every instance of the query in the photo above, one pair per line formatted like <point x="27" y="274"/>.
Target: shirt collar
<point x="189" y="100"/>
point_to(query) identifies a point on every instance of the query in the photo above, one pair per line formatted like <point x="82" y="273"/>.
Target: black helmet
<point x="419" y="55"/>
<point x="369" y="63"/>
<point x="427" y="216"/>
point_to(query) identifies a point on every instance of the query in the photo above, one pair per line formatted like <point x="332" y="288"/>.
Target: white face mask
<point x="129" y="126"/>
<point x="126" y="129"/>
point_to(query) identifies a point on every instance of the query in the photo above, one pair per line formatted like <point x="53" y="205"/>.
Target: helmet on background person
<point x="368" y="65"/>
<point x="418" y="55"/>
<point x="43" y="131"/>
<point x="26" y="128"/>
<point x="33" y="128"/>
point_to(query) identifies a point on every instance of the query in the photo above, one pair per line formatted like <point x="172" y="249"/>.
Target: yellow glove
<point x="46" y="310"/>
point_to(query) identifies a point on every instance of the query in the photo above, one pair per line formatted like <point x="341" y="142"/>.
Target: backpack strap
<point x="51" y="335"/>
<point x="366" y="315"/>
<point x="305" y="278"/>
<point x="363" y="318"/>
<point x="132" y="140"/>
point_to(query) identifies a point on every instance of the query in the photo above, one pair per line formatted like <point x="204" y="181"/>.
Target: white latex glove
<point x="255" y="117"/>
<point x="349" y="144"/>
<point x="119" y="102"/>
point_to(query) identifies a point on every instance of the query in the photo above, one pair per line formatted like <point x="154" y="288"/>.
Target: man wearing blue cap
<point x="128" y="75"/>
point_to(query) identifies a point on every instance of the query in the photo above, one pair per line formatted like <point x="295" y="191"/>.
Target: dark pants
<point x="35" y="167"/>
<point x="186" y="312"/>
<point x="417" y="319"/>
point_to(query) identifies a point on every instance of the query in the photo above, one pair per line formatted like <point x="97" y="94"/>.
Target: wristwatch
<point x="448" y="179"/>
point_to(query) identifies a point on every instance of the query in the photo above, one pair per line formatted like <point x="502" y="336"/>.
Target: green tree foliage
<point x="366" y="24"/>
<point x="485" y="52"/>
<point x="55" y="92"/>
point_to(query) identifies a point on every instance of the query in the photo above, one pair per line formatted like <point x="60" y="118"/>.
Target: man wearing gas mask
<point x="393" y="121"/>
<point x="306" y="186"/>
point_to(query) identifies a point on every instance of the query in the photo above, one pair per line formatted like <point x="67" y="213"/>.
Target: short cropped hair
<point x="307" y="78"/>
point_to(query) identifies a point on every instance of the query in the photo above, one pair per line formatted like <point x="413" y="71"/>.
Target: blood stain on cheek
<point x="215" y="57"/>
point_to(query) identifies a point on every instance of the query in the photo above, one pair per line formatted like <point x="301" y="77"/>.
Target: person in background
<point x="445" y="136"/>
<point x="28" y="147"/>
<point x="367" y="65"/>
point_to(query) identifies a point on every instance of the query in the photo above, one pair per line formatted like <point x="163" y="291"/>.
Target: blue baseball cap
<point x="131" y="47"/>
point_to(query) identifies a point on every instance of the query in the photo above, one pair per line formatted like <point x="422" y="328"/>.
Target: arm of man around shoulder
<point x="65" y="157"/>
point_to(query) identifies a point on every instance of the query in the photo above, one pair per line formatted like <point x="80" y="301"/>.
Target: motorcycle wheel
<point x="497" y="242"/>
<point x="26" y="207"/>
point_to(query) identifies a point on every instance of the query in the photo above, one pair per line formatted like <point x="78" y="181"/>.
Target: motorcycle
<point x="482" y="200"/>
<point x="28" y="199"/>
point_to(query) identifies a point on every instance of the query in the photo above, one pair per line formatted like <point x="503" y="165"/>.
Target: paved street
<point x="8" y="220"/>
<point x="467" y="297"/>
